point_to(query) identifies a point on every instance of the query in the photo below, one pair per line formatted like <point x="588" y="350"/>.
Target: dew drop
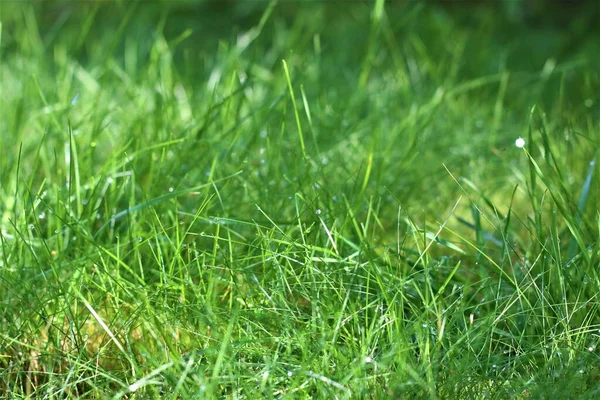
<point x="520" y="142"/>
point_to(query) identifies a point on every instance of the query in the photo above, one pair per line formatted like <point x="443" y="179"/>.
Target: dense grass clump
<point x="299" y="199"/>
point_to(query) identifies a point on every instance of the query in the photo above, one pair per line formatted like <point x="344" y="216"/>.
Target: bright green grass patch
<point x="316" y="200"/>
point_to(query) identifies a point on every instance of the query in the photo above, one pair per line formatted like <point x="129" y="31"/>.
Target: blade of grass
<point x="296" y="114"/>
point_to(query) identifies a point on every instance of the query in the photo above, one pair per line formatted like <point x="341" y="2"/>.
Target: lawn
<point x="299" y="199"/>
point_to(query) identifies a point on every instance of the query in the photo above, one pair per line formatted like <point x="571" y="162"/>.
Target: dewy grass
<point x="184" y="214"/>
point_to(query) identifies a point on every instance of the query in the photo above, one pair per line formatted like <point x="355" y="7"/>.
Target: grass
<point x="316" y="200"/>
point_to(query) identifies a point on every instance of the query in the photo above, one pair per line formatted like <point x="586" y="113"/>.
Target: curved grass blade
<point x="158" y="200"/>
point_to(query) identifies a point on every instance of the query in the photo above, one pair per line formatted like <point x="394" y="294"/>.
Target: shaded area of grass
<point x="182" y="216"/>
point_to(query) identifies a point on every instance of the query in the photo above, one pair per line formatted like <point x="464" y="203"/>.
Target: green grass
<point x="298" y="200"/>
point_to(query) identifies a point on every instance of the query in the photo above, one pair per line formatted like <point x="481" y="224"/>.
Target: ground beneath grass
<point x="299" y="200"/>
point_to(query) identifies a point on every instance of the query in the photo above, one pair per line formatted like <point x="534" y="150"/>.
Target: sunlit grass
<point x="342" y="200"/>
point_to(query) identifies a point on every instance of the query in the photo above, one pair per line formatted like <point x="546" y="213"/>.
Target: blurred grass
<point x="175" y="223"/>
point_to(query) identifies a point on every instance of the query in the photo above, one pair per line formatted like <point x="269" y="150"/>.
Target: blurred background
<point x="222" y="18"/>
<point x="206" y="48"/>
